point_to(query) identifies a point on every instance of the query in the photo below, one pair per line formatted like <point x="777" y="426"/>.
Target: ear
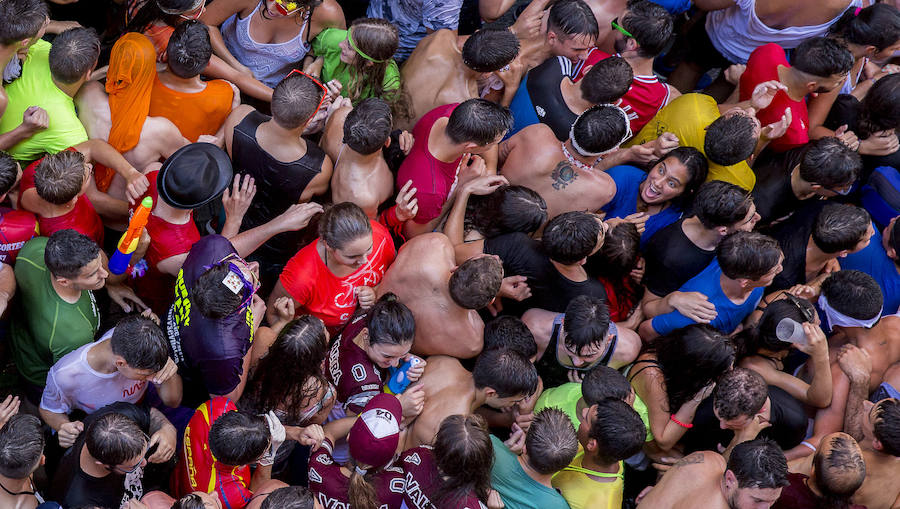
<point x="844" y="253"/>
<point x="585" y="412"/>
<point x="490" y="392"/>
<point x="63" y="281"/>
<point x="120" y="362"/>
<point x="386" y="144"/>
<point x="892" y="254"/>
<point x="723" y="230"/>
<point x="631" y="45"/>
<point x="877" y="445"/>
<point x="551" y="36"/>
<point x="469" y="146"/>
<point x="871" y="51"/>
<point x="43" y="460"/>
<point x="811" y="86"/>
<point x="591" y="445"/>
<point x="730" y="480"/>
<point x="744" y="282"/>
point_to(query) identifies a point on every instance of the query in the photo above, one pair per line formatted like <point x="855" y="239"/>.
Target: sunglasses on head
<point x="805" y="311"/>
<point x="287" y="7"/>
<point x="317" y="82"/>
<point x="235" y="279"/>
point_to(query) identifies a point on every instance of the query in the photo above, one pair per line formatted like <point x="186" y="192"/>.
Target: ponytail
<point x="361" y="492"/>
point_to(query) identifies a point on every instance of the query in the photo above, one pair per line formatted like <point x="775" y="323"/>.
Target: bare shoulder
<point x="708" y="460"/>
<point x="329" y="15"/>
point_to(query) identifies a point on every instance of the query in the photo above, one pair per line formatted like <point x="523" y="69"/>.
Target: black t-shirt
<point x="209" y="352"/>
<point x="550" y="290"/>
<point x="786" y="415"/>
<point x="72" y="487"/>
<point x="672" y="259"/>
<point x="793" y="236"/>
<point x="772" y="195"/>
<point x="549" y="104"/>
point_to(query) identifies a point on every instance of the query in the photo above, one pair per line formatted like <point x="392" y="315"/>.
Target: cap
<point x="194" y="175"/>
<point x="374" y="437"/>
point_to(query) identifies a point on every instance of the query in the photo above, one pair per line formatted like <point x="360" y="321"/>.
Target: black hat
<point x="194" y="175"/>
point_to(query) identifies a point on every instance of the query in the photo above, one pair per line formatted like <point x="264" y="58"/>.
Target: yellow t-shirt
<point x="687" y="117"/>
<point x="582" y="492"/>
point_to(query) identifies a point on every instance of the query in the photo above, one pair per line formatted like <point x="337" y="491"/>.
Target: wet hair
<point x="747" y="255"/>
<point x="213" y="299"/>
<point x="739" y="392"/>
<point x="853" y="293"/>
<point x="508" y="372"/>
<point x="617" y="257"/>
<point x="586" y="323"/>
<point x="59" y="177"/>
<point x="509" y="333"/>
<point x="570" y="237"/>
<point x="289" y="377"/>
<point x="651" y="25"/>
<point x="475" y="283"/>
<point x="74" y="54"/>
<point x="690" y="358"/>
<point x="607" y="81"/>
<point x="67" y="252"/>
<point x="9" y="172"/>
<point x="880" y="108"/>
<point x="877" y="25"/>
<point x="551" y="443"/>
<point x="152" y="11"/>
<point x="238" y="438"/>
<point x="750" y="340"/>
<point x="603" y="382"/>
<point x="618" y="430"/>
<point x="390" y="322"/>
<point x="508" y="209"/>
<point x="490" y="49"/>
<point x="840" y="227"/>
<point x="478" y="121"/>
<point x="368" y="126"/>
<point x="113" y="439"/>
<point x="599" y="129"/>
<point x="759" y="464"/>
<point x="887" y="425"/>
<point x="730" y="139"/>
<point x="21" y="446"/>
<point x="840" y="472"/>
<point x="294" y="101"/>
<point x="379" y="39"/>
<point x="697" y="170"/>
<point x="720" y="203"/>
<point x="463" y="455"/>
<point x="141" y="343"/>
<point x="572" y="18"/>
<point x="342" y="223"/>
<point x="189" y="49"/>
<point x="829" y="163"/>
<point x="21" y="19"/>
<point x="289" y="497"/>
<point x="822" y="57"/>
<point x="189" y="501"/>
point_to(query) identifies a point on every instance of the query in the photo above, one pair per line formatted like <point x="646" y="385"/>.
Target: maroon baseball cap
<point x="374" y="437"/>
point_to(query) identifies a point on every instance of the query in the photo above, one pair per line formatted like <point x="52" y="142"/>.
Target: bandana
<point x="836" y="318"/>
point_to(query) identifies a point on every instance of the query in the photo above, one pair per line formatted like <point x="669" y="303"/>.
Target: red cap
<point x="374" y="437"/>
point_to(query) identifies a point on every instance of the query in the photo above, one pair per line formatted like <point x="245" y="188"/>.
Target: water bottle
<point x="790" y="331"/>
<point x="398" y="381"/>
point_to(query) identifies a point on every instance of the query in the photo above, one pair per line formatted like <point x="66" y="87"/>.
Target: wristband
<point x="389" y="219"/>
<point x="683" y="425"/>
<point x="807" y="444"/>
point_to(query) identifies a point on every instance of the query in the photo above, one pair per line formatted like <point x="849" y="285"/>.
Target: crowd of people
<point x="456" y="254"/>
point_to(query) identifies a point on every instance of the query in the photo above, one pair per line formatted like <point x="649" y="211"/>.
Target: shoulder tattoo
<point x="563" y="174"/>
<point x="691" y="459"/>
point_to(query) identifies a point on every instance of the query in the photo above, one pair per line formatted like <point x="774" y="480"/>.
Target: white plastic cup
<point x="790" y="331"/>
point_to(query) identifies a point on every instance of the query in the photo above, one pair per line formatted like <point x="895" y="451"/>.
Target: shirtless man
<point x="569" y="30"/>
<point x="353" y="139"/>
<point x="570" y="175"/>
<point x="450" y="389"/>
<point x="852" y="303"/>
<point x="751" y="478"/>
<point x="448" y="68"/>
<point x="443" y="298"/>
<point x="830" y="479"/>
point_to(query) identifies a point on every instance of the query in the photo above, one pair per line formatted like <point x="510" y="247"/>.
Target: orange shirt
<point x="194" y="113"/>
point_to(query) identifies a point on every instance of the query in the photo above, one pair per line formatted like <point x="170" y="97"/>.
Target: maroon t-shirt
<point x="798" y="496"/>
<point x="330" y="486"/>
<point x="423" y="480"/>
<point x="356" y="377"/>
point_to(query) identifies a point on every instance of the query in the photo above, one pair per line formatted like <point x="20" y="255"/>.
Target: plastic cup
<point x="790" y="331"/>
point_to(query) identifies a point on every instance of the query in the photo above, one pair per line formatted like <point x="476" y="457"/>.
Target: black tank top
<point x="278" y="185"/>
<point x="543" y="88"/>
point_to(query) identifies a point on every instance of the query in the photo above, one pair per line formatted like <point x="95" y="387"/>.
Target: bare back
<point x="880" y="343"/>
<point x="435" y="75"/>
<point x="536" y="161"/>
<point x="419" y="276"/>
<point x="449" y="390"/>
<point x="696" y="477"/>
<point x="881" y="488"/>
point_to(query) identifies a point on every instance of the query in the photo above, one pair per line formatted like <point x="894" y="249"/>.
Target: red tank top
<point x="16" y="228"/>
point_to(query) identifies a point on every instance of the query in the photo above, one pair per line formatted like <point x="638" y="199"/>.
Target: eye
<point x="672" y="184"/>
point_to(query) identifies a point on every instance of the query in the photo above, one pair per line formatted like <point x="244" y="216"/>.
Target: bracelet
<point x="683" y="425"/>
<point x="807" y="444"/>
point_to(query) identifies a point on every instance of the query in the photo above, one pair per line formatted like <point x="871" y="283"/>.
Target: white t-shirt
<point x="72" y="383"/>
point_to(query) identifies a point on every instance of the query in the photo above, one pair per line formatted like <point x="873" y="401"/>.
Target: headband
<point x="836" y="318"/>
<point x="584" y="153"/>
<point x="361" y="471"/>
<point x="359" y="51"/>
<point x="196" y="6"/>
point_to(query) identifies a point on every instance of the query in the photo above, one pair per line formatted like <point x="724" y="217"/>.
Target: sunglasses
<point x="317" y="82"/>
<point x="616" y="26"/>
<point x="287" y="7"/>
<point x="312" y="411"/>
<point x="236" y="276"/>
<point x="806" y="312"/>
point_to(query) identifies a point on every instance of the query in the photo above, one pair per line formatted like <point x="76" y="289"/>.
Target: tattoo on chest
<point x="563" y="175"/>
<point x="690" y="459"/>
